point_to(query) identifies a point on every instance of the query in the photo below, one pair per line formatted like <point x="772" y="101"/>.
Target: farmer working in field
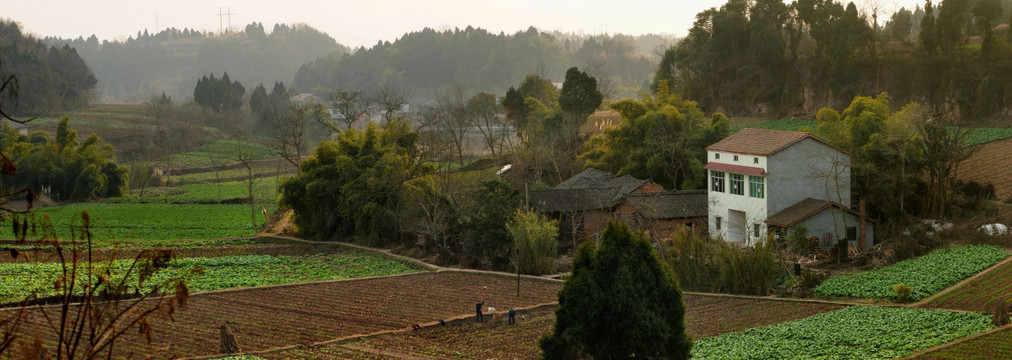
<point x="477" y="307"/>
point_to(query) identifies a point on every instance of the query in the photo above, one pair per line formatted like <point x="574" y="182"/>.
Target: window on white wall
<point x="716" y="156"/>
<point x="755" y="160"/>
<point x="756" y="187"/>
<point x="736" y="158"/>
<point x="717" y="181"/>
<point x="737" y="184"/>
<point x="716" y="222"/>
<point x="756" y="230"/>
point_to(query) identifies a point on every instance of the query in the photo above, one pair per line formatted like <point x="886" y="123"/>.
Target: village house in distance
<point x="763" y="181"/>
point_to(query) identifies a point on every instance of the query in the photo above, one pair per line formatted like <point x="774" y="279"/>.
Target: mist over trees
<point x="172" y="60"/>
<point x="429" y="61"/>
<point x="51" y="78"/>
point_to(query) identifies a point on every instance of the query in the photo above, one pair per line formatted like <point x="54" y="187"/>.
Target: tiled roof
<point x="761" y="142"/>
<point x="802" y="210"/>
<point x="592" y="189"/>
<point x="670" y="204"/>
<point x="590" y="178"/>
<point x="571" y="200"/>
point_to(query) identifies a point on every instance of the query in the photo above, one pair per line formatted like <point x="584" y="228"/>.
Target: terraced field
<point x="981" y="294"/>
<point x="996" y="345"/>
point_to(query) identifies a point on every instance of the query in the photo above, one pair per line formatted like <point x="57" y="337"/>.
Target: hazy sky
<point x="363" y="23"/>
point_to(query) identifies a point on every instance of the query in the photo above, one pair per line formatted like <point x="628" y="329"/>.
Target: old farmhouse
<point x="586" y="202"/>
<point x="763" y="181"/>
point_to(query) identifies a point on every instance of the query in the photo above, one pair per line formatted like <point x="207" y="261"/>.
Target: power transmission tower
<point x="222" y="16"/>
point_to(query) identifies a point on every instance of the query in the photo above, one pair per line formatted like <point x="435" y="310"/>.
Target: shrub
<point x="703" y="264"/>
<point x="902" y="293"/>
<point x="534" y="239"/>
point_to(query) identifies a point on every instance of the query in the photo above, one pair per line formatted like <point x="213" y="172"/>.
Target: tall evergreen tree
<point x="621" y="302"/>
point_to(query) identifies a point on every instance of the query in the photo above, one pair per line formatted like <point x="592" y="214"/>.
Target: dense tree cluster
<point x="549" y="122"/>
<point x="63" y="168"/>
<point x="219" y="95"/>
<point x="768" y="57"/>
<point x="903" y="162"/>
<point x="264" y="107"/>
<point x="352" y="187"/>
<point x="148" y="64"/>
<point x="662" y="137"/>
<point x="51" y="78"/>
<point x="477" y="60"/>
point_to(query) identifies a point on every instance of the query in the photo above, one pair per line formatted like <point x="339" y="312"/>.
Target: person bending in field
<point x="513" y="316"/>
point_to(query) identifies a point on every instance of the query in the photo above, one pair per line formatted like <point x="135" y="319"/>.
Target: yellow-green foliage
<point x="902" y="292"/>
<point x="534" y="238"/>
<point x="704" y="264"/>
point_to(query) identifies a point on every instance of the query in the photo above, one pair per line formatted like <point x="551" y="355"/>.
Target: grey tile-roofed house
<point x="571" y="200"/>
<point x="682" y="204"/>
<point x="585" y="202"/>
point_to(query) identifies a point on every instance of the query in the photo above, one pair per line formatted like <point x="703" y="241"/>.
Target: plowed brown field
<point x="705" y="316"/>
<point x="990" y="164"/>
<point x="306" y="313"/>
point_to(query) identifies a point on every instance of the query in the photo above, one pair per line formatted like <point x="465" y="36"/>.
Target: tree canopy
<point x="661" y="137"/>
<point x="51" y="78"/>
<point x="351" y="188"/>
<point x="61" y="167"/>
<point x="621" y="302"/>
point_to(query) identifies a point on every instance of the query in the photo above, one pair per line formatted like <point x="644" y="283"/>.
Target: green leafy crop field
<point x="858" y="332"/>
<point x="926" y="275"/>
<point x="264" y="190"/>
<point x="149" y="221"/>
<point x="18" y="280"/>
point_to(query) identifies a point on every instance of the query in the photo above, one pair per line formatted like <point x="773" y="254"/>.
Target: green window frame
<point x="737" y="184"/>
<point x="757" y="187"/>
<point x="717" y="181"/>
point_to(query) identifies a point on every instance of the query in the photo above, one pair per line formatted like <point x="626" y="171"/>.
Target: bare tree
<point x="391" y="100"/>
<point x="484" y="113"/>
<point x="350" y="106"/>
<point x="452" y="120"/>
<point x="290" y="140"/>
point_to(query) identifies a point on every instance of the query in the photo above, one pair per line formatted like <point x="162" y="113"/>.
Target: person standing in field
<point x="477" y="310"/>
<point x="513" y="316"/>
<point x="477" y="307"/>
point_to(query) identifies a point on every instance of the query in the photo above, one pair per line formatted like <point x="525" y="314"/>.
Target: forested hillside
<point x="425" y="61"/>
<point x="770" y="58"/>
<point x="172" y="60"/>
<point x="48" y="78"/>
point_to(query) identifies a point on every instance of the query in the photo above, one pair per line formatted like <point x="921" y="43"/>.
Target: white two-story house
<point x="770" y="180"/>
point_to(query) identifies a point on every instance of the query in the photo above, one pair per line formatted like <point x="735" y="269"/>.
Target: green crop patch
<point x="858" y="332"/>
<point x="19" y="280"/>
<point x="264" y="191"/>
<point x="148" y="221"/>
<point x="926" y="275"/>
<point x="789" y="124"/>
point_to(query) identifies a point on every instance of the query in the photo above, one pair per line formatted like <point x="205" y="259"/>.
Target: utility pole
<point x="223" y="14"/>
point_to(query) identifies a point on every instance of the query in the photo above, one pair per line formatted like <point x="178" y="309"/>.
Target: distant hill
<point x="172" y="60"/>
<point x="474" y="59"/>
